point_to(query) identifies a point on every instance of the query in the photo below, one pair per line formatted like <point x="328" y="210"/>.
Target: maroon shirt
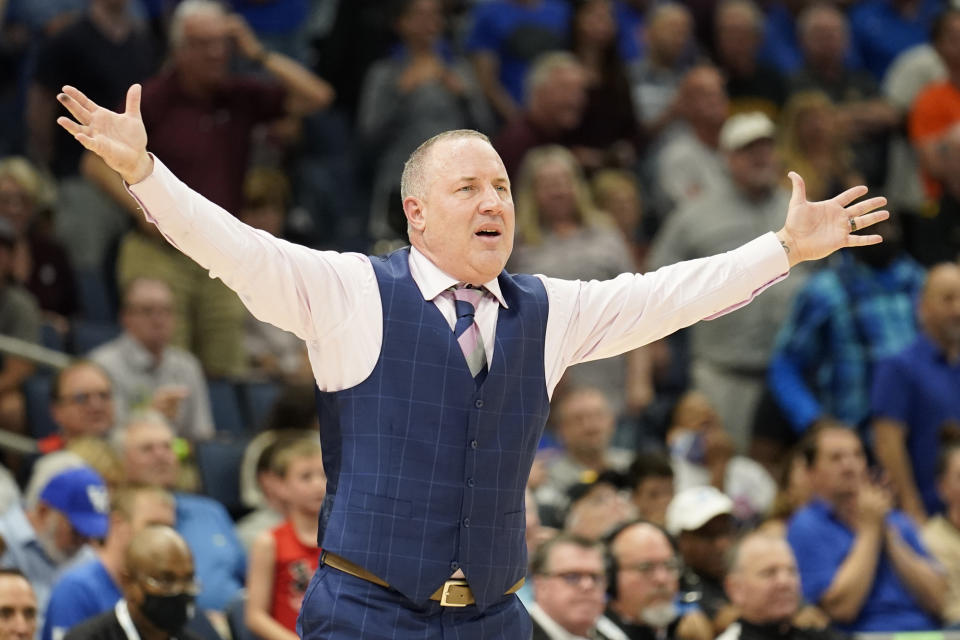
<point x="206" y="143"/>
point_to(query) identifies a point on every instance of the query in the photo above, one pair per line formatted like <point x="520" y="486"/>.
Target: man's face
<point x="586" y="422"/>
<point x="57" y="536"/>
<point x="422" y="22"/>
<point x="148" y="455"/>
<point x="572" y="589"/>
<point x="555" y="194"/>
<point x="465" y="221"/>
<point x="18" y="609"/>
<point x="84" y="406"/>
<point x="669" y="35"/>
<point x="704" y="549"/>
<point x="765" y="585"/>
<point x="940" y="307"/>
<point x="164" y="574"/>
<point x="754" y="168"/>
<point x="738" y="36"/>
<point x="148" y="314"/>
<point x="839" y="467"/>
<point x="647" y="570"/>
<point x="562" y="97"/>
<point x="651" y="497"/>
<point x="705" y="99"/>
<point x="825" y="38"/>
<point x="203" y="55"/>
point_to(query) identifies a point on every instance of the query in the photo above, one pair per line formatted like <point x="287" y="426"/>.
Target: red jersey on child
<point x="294" y="565"/>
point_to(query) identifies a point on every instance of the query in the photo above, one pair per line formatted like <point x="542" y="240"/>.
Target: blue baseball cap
<point x="82" y="497"/>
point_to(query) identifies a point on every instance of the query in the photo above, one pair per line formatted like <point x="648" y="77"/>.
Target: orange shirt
<point x="294" y="565"/>
<point x="935" y="110"/>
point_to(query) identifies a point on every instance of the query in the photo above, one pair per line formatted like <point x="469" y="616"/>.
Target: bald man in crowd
<point x="18" y="606"/>
<point x="159" y="592"/>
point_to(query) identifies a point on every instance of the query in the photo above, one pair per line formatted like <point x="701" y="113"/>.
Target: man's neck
<point x="115" y="25"/>
<point x="596" y="460"/>
<point x="111" y="557"/>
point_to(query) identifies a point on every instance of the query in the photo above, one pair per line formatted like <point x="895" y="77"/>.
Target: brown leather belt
<point x="453" y="593"/>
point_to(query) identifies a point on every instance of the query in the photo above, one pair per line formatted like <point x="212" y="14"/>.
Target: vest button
<point x="454" y="565"/>
<point x="470" y="482"/>
<point x="474" y="444"/>
<point x="466" y="523"/>
<point x="478" y="404"/>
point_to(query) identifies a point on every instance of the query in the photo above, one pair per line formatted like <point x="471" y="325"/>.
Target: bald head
<point x="762" y="580"/>
<point x="940" y="306"/>
<point x="155" y="549"/>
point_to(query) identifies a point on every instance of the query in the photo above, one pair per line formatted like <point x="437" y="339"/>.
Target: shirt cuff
<point x="156" y="197"/>
<point x="764" y="263"/>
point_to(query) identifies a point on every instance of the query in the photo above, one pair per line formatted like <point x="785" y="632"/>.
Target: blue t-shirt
<point x="517" y="34"/>
<point x="218" y="557"/>
<point x="919" y="388"/>
<point x="821" y="543"/>
<point x="880" y="32"/>
<point x="82" y="592"/>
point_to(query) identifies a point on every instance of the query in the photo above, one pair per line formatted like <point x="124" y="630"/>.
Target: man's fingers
<point x="866" y="206"/>
<point x="82" y="100"/>
<point x="77" y="110"/>
<point x="850" y="195"/>
<point x="72" y="127"/>
<point x="133" y="100"/>
<point x="870" y="219"/>
<point x="799" y="194"/>
<point x="862" y="241"/>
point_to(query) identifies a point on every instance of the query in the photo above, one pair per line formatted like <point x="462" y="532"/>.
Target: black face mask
<point x="169" y="613"/>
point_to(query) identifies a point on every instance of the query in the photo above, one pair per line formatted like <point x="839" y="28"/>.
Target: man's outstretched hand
<point x="120" y="139"/>
<point x="814" y="230"/>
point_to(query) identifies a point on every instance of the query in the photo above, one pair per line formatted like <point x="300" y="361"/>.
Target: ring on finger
<point x="853" y="224"/>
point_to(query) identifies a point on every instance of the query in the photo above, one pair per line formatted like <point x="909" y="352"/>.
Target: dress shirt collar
<point x="550" y="626"/>
<point x="432" y="281"/>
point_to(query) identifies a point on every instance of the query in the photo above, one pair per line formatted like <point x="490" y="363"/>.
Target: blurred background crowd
<point x="788" y="468"/>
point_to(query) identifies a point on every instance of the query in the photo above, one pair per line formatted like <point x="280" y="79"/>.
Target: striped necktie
<point x="467" y="332"/>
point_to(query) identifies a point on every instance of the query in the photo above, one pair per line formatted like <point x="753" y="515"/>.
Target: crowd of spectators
<point x="691" y="489"/>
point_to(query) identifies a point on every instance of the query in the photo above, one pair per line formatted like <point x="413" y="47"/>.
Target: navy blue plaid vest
<point x="426" y="471"/>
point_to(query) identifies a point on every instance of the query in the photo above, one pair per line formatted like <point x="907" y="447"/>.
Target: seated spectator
<point x="644" y="596"/>
<point x="81" y="404"/>
<point x="914" y="396"/>
<point x="937" y="239"/>
<point x="702" y="454"/>
<point x="763" y="585"/>
<point x="69" y="508"/>
<point x="866" y="117"/>
<point x="811" y="143"/>
<point x="656" y="77"/>
<point x="150" y="372"/>
<point x="937" y="107"/>
<point x="419" y="90"/>
<point x="882" y="30"/>
<point x="505" y="38"/>
<point x="584" y="426"/>
<point x="146" y="445"/>
<point x="942" y="532"/>
<point x="199" y="87"/>
<point x="272" y="352"/>
<point x="556" y="96"/>
<point x="284" y="559"/>
<point x="570" y="582"/>
<point x="609" y="134"/>
<point x="753" y="82"/>
<point x="691" y="163"/>
<point x="850" y="314"/>
<point x="19" y="318"/>
<point x="159" y="590"/>
<point x="91" y="588"/>
<point x="597" y="506"/>
<point x="651" y="482"/>
<point x="860" y="560"/>
<point x="42" y="264"/>
<point x="19" y="606"/>
<point x="701" y="521"/>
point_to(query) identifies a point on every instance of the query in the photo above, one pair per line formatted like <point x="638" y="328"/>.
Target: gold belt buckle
<point x="447" y="586"/>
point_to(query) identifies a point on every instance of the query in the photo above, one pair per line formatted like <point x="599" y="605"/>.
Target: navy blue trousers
<point x="338" y="606"/>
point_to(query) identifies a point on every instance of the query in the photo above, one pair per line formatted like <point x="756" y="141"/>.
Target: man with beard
<point x="159" y="590"/>
<point x="860" y="560"/>
<point x="846" y="317"/>
<point x="763" y="584"/>
<point x="914" y="395"/>
<point x="644" y="584"/>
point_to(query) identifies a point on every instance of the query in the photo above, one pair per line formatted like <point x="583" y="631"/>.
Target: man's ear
<point x="415" y="211"/>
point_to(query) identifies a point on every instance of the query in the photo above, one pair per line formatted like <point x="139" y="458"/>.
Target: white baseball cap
<point x="692" y="508"/>
<point x="745" y="128"/>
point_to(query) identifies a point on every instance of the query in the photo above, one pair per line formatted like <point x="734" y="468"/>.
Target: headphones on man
<point x="610" y="561"/>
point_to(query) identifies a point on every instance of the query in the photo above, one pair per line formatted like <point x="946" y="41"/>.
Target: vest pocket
<point x="384" y="505"/>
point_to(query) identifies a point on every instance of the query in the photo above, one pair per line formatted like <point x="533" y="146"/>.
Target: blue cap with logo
<point x="82" y="497"/>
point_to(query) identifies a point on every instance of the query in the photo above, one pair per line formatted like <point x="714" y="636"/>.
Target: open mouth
<point x="487" y="233"/>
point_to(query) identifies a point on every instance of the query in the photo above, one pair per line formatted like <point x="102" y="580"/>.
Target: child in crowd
<point x="283" y="560"/>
